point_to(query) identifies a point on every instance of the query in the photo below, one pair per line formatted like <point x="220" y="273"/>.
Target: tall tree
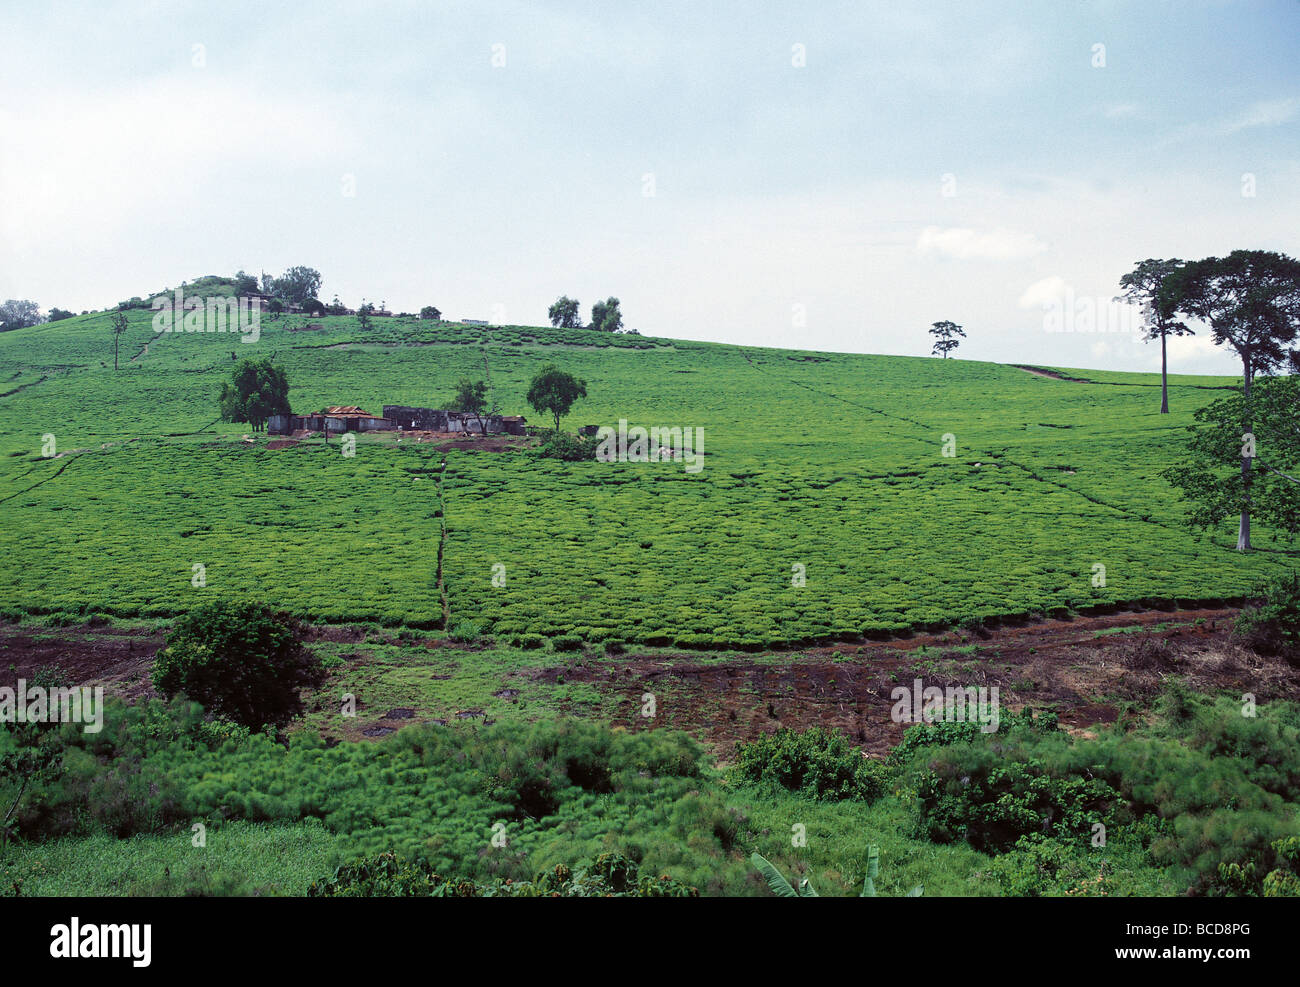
<point x="564" y="313"/>
<point x="257" y="390"/>
<point x="298" y="284"/>
<point x="118" y="326"/>
<point x="19" y="313"/>
<point x="947" y="337"/>
<point x="606" y="317"/>
<point x="553" y="391"/>
<point x="1251" y="301"/>
<point x="1144" y="286"/>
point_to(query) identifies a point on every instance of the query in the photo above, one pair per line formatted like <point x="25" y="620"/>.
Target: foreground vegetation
<point x="1198" y="798"/>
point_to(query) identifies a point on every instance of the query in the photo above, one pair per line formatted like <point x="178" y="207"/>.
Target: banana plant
<point x="784" y="889"/>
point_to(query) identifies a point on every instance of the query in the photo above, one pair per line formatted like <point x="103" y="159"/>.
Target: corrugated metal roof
<point x="343" y="410"/>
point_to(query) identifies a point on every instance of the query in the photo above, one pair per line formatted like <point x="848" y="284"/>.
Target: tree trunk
<point x="1243" y="527"/>
<point x="1164" y="375"/>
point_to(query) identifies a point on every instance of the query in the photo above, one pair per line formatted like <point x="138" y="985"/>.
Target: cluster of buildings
<point x="396" y="418"/>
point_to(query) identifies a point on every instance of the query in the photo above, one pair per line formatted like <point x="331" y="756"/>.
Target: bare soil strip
<point x="1090" y="670"/>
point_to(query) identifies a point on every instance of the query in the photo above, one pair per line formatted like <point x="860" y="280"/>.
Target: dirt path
<point x="1053" y="374"/>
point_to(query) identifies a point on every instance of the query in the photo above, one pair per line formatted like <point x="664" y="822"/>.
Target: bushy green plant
<point x="818" y="763"/>
<point x="242" y="661"/>
<point x="570" y="448"/>
<point x="1272" y="625"/>
<point x="465" y="632"/>
<point x="973" y="793"/>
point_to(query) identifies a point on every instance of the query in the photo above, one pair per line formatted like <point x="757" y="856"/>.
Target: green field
<point x="832" y="462"/>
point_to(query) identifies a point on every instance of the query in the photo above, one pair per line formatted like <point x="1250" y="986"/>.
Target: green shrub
<point x="570" y="448"/>
<point x="567" y="642"/>
<point x="244" y="662"/>
<point x="465" y="632"/>
<point x="817" y="763"/>
<point x="976" y="794"/>
<point x="1272" y="626"/>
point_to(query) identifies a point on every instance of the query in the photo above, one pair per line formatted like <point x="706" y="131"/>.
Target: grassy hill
<point x="828" y="461"/>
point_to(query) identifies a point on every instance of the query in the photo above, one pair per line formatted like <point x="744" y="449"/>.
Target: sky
<point x="828" y="176"/>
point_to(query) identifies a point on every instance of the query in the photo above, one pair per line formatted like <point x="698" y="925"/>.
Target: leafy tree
<point x="429" y="312"/>
<point x="245" y="284"/>
<point x="554" y="392"/>
<point x="59" y="314"/>
<point x="564" y="313"/>
<point x="117" y="325"/>
<point x="1251" y="301"/>
<point x="257" y="390"/>
<point x="242" y="661"/>
<point x="1145" y="286"/>
<point x="946" y="338"/>
<point x="606" y="317"/>
<point x="364" y="313"/>
<point x="1212" y="478"/>
<point x="298" y="284"/>
<point x="471" y="398"/>
<point x="312" y="306"/>
<point x="19" y="314"/>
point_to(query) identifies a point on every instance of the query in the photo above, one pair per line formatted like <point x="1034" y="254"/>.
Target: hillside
<point x="828" y="461"/>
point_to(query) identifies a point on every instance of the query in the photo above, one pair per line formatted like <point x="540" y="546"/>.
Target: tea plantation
<point x="825" y="470"/>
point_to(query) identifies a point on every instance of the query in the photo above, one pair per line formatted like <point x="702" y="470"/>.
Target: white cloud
<point x="1044" y="292"/>
<point x="968" y="244"/>
<point x="1267" y="113"/>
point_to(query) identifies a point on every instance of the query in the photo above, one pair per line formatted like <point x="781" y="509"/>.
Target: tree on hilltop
<point x="947" y="337"/>
<point x="564" y="313"/>
<point x="606" y="317"/>
<point x="19" y="313"/>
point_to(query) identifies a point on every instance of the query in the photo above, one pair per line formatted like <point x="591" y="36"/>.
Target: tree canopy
<point x="297" y="284"/>
<point x="1211" y="478"/>
<point x="564" y="313"/>
<point x="19" y="313"/>
<point x="606" y="317"/>
<point x="472" y="399"/>
<point x="947" y="337"/>
<point x="554" y="392"/>
<point x="1145" y="285"/>
<point x="257" y="390"/>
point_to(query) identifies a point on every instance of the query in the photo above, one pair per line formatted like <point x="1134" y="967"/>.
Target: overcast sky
<point x="837" y="176"/>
